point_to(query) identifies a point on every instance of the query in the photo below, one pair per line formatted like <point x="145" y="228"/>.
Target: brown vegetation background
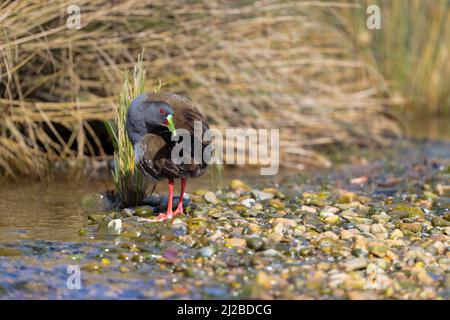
<point x="309" y="68"/>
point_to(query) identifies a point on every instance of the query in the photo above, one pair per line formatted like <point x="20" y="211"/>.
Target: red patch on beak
<point x="166" y="122"/>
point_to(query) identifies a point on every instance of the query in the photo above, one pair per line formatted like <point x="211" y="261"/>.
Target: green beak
<point x="170" y="125"/>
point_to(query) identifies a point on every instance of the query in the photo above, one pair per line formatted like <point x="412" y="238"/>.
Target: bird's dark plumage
<point x="152" y="140"/>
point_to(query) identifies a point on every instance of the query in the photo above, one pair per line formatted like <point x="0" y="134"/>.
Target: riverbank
<point x="374" y="229"/>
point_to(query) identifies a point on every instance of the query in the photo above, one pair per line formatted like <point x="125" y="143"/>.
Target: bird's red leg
<point x="179" y="209"/>
<point x="169" y="213"/>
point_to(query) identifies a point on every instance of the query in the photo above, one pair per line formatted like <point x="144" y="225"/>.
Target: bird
<point x="152" y="123"/>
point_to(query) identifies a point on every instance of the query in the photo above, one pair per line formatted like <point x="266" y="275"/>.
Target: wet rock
<point x="308" y="209"/>
<point x="348" y="197"/>
<point x="276" y="204"/>
<point x="255" y="243"/>
<point x="348" y="234"/>
<point x="261" y="195"/>
<point x="211" y="197"/>
<point x="93" y="267"/>
<point x="248" y="203"/>
<point x="289" y="223"/>
<point x="378" y="249"/>
<point x="440" y="222"/>
<point x="200" y="192"/>
<point x="176" y="199"/>
<point x="207" y="252"/>
<point x="144" y="211"/>
<point x="236" y="185"/>
<point x="179" y="227"/>
<point x="236" y="243"/>
<point x="447" y="230"/>
<point x="378" y="231"/>
<point x="411" y="227"/>
<point x="396" y="234"/>
<point x="410" y="212"/>
<point x="355" y="264"/>
<point x="333" y="219"/>
<point x="270" y="253"/>
<point x="111" y="227"/>
<point x="152" y="200"/>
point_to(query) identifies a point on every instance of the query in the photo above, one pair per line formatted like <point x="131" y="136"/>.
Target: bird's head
<point x="146" y="117"/>
<point x="168" y="122"/>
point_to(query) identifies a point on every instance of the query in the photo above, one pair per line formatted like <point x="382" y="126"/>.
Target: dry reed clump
<point x="261" y="63"/>
<point x="411" y="51"/>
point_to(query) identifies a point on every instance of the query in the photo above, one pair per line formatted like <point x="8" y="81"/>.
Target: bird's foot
<point x="161" y="217"/>
<point x="178" y="211"/>
<point x="165" y="216"/>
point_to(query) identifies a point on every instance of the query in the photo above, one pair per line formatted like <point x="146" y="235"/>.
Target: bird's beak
<point x="170" y="125"/>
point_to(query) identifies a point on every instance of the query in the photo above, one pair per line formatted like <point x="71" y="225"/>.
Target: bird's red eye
<point x="161" y="110"/>
<point x="166" y="122"/>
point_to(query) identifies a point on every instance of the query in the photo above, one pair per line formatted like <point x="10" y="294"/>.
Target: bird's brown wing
<point x="155" y="160"/>
<point x="185" y="116"/>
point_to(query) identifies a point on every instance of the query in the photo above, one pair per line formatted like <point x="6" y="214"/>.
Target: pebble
<point x="348" y="234"/>
<point x="248" y="203"/>
<point x="276" y="204"/>
<point x="236" y="184"/>
<point x="236" y="242"/>
<point x="332" y="219"/>
<point x="396" y="234"/>
<point x="206" y="252"/>
<point x="378" y="231"/>
<point x="112" y="227"/>
<point x="255" y="243"/>
<point x="285" y="222"/>
<point x="355" y="264"/>
<point x="261" y="195"/>
<point x="211" y="197"/>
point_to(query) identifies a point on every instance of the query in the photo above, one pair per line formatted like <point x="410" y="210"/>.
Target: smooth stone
<point x="236" y="184"/>
<point x="112" y="227"/>
<point x="175" y="201"/>
<point x="144" y="211"/>
<point x="206" y="252"/>
<point x="411" y="212"/>
<point x="255" y="243"/>
<point x="440" y="222"/>
<point x="333" y="219"/>
<point x="326" y="213"/>
<point x="378" y="249"/>
<point x="308" y="209"/>
<point x="396" y="234"/>
<point x="152" y="200"/>
<point x="285" y="222"/>
<point x="378" y="231"/>
<point x="179" y="227"/>
<point x="261" y="195"/>
<point x="447" y="230"/>
<point x="347" y="197"/>
<point x="412" y="227"/>
<point x="271" y="253"/>
<point x="236" y="242"/>
<point x="248" y="203"/>
<point x="276" y="204"/>
<point x="200" y="192"/>
<point x="355" y="264"/>
<point x="349" y="234"/>
<point x="211" y="197"/>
